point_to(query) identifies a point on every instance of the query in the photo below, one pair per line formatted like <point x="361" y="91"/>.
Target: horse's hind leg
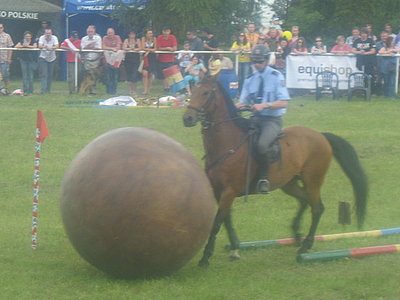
<point x="234" y="241"/>
<point x="312" y="188"/>
<point x="295" y="190"/>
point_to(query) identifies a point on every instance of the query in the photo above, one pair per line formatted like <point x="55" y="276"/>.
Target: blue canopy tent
<point x="82" y="13"/>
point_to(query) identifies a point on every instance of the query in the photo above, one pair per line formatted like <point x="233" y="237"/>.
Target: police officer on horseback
<point x="265" y="92"/>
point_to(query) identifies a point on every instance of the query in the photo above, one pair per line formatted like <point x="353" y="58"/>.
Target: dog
<point x="90" y="78"/>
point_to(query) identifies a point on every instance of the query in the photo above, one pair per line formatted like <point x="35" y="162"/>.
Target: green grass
<point x="55" y="270"/>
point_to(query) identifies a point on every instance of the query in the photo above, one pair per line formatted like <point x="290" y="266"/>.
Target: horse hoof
<point x="203" y="263"/>
<point x="234" y="255"/>
<point x="302" y="250"/>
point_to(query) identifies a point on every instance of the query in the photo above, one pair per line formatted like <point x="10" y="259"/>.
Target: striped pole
<point x="320" y="238"/>
<point x="347" y="253"/>
<point x="41" y="133"/>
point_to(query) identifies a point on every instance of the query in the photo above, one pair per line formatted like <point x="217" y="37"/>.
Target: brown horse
<point x="300" y="171"/>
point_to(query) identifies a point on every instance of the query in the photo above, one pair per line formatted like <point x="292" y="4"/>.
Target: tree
<point x="330" y="18"/>
<point x="281" y="8"/>
<point x="224" y="17"/>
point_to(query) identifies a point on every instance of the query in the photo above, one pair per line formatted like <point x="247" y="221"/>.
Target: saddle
<point x="274" y="150"/>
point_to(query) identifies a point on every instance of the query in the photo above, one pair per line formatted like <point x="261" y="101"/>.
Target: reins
<point x="206" y="124"/>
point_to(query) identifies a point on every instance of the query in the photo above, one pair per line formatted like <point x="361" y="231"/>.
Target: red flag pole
<point x="41" y="133"/>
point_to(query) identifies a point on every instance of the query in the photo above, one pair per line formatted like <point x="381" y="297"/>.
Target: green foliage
<point x="224" y="17"/>
<point x="330" y="18"/>
<point x="281" y="8"/>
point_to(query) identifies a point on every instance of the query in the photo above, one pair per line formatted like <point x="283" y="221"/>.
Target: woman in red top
<point x="341" y="48"/>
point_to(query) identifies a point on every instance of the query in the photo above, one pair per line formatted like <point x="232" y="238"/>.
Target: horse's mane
<point x="232" y="110"/>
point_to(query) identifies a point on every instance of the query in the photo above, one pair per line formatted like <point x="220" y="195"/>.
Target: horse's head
<point x="202" y="101"/>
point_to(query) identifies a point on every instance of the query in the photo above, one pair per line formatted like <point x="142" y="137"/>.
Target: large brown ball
<point x="136" y="204"/>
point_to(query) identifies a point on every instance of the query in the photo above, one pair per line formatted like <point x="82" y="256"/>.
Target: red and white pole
<point x="41" y="133"/>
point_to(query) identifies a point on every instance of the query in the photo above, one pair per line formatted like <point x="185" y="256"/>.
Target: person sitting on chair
<point x="266" y="93"/>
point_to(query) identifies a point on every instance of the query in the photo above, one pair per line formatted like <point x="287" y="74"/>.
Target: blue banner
<point x="97" y="6"/>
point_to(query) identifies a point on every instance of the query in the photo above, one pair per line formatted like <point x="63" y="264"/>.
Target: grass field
<point x="55" y="270"/>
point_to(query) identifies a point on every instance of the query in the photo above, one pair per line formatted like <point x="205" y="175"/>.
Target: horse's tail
<point x="348" y="160"/>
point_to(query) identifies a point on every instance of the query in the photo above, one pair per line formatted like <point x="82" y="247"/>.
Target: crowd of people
<point x="362" y="43"/>
<point x="142" y="63"/>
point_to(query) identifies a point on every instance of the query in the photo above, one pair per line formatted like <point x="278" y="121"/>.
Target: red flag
<point x="42" y="126"/>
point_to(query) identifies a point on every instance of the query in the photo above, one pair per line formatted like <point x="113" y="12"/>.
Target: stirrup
<point x="263" y="186"/>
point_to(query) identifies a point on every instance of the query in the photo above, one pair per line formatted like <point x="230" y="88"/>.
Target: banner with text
<point x="301" y="70"/>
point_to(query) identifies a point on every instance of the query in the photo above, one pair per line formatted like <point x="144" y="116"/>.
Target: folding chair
<point x="359" y="81"/>
<point x="327" y="81"/>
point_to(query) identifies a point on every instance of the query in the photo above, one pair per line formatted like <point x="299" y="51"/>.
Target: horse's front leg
<point x="233" y="239"/>
<point x="223" y="214"/>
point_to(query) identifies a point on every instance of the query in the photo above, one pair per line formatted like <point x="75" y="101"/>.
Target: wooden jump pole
<point x="320" y="238"/>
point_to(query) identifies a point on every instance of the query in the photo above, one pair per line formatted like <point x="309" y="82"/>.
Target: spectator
<point x="242" y="46"/>
<point x="252" y="35"/>
<point x="387" y="67"/>
<point x="295" y="35"/>
<point x="196" y="44"/>
<point x="371" y="35"/>
<point x="226" y="62"/>
<point x="184" y="58"/>
<point x="261" y="40"/>
<point x="5" y="56"/>
<point x="148" y="44"/>
<point x="132" y="60"/>
<point x="365" y="49"/>
<point x="383" y="37"/>
<point x="28" y="61"/>
<point x="74" y="45"/>
<point x="389" y="29"/>
<point x="355" y="34"/>
<point x="166" y="42"/>
<point x="299" y="47"/>
<point x="276" y="24"/>
<point x="272" y="39"/>
<point x="397" y="39"/>
<point x="319" y="47"/>
<point x="379" y="45"/>
<point x="214" y="64"/>
<point x="341" y="48"/>
<point x="48" y="43"/>
<point x="210" y="43"/>
<point x="282" y="52"/>
<point x="113" y="57"/>
<point x="91" y="60"/>
<point x="43" y="26"/>
<point x="194" y="71"/>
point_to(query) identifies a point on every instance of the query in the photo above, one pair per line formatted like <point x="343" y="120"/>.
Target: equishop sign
<point x="301" y="70"/>
<point x="19" y="15"/>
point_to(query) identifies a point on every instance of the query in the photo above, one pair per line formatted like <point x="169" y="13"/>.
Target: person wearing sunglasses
<point x="299" y="47"/>
<point x="265" y="92"/>
<point x="319" y="47"/>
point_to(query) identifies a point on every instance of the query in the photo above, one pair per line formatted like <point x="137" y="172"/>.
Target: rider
<point x="266" y="93"/>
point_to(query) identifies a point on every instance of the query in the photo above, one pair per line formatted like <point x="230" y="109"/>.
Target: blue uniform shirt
<point x="274" y="89"/>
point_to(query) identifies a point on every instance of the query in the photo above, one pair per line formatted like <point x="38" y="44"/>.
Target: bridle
<point x="206" y="124"/>
<point x="201" y="112"/>
<point x="202" y="116"/>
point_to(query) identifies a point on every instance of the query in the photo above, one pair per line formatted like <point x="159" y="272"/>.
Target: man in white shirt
<point x="5" y="55"/>
<point x="91" y="60"/>
<point x="47" y="43"/>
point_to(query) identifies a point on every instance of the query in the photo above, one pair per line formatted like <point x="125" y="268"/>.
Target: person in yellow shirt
<point x="214" y="64"/>
<point x="252" y="35"/>
<point x="242" y="45"/>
